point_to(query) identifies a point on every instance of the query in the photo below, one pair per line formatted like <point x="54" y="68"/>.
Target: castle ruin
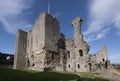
<point x="45" y="48"/>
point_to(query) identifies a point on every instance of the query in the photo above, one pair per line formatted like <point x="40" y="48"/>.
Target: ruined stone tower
<point x="78" y="49"/>
<point x="44" y="48"/>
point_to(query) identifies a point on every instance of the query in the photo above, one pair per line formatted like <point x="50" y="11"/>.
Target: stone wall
<point x="100" y="59"/>
<point x="35" y="44"/>
<point x="44" y="42"/>
<point x="37" y="61"/>
<point x="52" y="60"/>
<point x="52" y="33"/>
<point x="102" y="55"/>
<point x="20" y="54"/>
<point x="70" y="54"/>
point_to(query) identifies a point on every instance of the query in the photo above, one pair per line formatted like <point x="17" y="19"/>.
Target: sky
<point x="101" y="21"/>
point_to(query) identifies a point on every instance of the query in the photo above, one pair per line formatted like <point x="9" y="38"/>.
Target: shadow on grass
<point x="7" y="74"/>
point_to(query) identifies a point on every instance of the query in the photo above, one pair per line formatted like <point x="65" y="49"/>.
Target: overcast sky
<point x="101" y="21"/>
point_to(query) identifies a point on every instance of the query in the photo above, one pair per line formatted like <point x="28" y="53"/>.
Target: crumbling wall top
<point x="76" y="23"/>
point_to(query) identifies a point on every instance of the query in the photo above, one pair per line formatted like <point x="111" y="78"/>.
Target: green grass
<point x="8" y="74"/>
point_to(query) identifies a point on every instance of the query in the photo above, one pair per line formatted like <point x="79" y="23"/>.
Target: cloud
<point x="115" y="58"/>
<point x="102" y="14"/>
<point x="101" y="34"/>
<point x="12" y="14"/>
<point x="117" y="21"/>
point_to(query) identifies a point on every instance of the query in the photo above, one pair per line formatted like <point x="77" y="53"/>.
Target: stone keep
<point x="44" y="48"/>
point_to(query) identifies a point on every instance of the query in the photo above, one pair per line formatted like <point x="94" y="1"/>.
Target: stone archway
<point x="81" y="52"/>
<point x="90" y="66"/>
<point x="106" y="64"/>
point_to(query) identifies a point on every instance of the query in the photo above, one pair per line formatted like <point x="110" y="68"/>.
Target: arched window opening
<point x="81" y="52"/>
<point x="90" y="66"/>
<point x="33" y="64"/>
<point x="28" y="63"/>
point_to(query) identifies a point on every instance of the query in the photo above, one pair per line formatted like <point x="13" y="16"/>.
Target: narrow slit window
<point x="69" y="65"/>
<point x="68" y="54"/>
<point x="78" y="66"/>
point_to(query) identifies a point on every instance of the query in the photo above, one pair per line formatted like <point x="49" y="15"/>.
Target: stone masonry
<point x="44" y="48"/>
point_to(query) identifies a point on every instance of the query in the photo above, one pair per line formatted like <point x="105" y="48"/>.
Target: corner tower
<point x="20" y="53"/>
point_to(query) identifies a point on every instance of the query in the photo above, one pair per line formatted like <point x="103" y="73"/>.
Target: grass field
<point x="8" y="74"/>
